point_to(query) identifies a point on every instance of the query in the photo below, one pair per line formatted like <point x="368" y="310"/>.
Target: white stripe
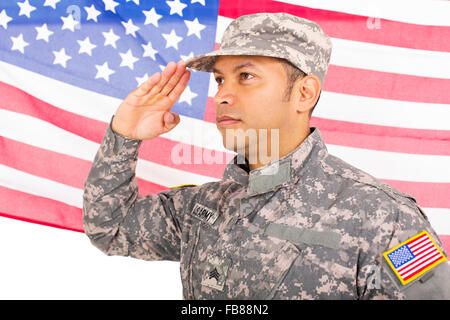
<point x="439" y="219"/>
<point x="345" y="107"/>
<point x="40" y="262"/>
<point x="101" y="107"/>
<point x="363" y="55"/>
<point x="28" y="183"/>
<point x="333" y="106"/>
<point x="426" y="246"/>
<point x="417" y="242"/>
<point x="425" y="12"/>
<point x="396" y="166"/>
<point x="44" y="135"/>
<point x="409" y="263"/>
<point x="381" y="164"/>
<point x="377" y="57"/>
<point x="422" y="264"/>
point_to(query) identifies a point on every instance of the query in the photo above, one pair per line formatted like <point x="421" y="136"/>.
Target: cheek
<point x="265" y="109"/>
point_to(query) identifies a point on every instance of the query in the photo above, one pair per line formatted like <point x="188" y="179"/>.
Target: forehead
<point x="230" y="63"/>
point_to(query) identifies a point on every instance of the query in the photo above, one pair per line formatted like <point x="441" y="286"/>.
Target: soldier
<point x="306" y="225"/>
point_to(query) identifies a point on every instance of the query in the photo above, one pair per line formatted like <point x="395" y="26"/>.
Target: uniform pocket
<point x="258" y="267"/>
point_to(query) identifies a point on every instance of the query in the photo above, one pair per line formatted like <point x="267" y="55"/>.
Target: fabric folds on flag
<point x="65" y="67"/>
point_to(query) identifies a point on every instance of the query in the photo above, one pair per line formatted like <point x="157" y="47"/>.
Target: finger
<point x="170" y="120"/>
<point x="181" y="85"/>
<point x="147" y="85"/>
<point x="181" y="67"/>
<point x="169" y="70"/>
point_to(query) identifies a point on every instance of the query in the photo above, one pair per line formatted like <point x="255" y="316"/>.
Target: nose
<point x="224" y="95"/>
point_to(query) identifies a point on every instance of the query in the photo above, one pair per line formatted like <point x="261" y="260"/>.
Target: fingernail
<point x="170" y="118"/>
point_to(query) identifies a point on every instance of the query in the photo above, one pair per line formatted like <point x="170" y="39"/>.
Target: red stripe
<point x="417" y="261"/>
<point x="433" y="195"/>
<point x="425" y="245"/>
<point x="156" y="150"/>
<point x="349" y="26"/>
<point x="430" y="262"/>
<point x="445" y="240"/>
<point x="373" y="137"/>
<point x="28" y="207"/>
<point x="386" y="85"/>
<point x="55" y="166"/>
<point x="413" y="243"/>
<point x="427" y="194"/>
<point x="383" y="138"/>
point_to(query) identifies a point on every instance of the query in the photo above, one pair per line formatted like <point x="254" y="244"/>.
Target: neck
<point x="266" y="153"/>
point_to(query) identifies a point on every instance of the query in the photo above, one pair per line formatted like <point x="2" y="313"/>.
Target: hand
<point x="145" y="112"/>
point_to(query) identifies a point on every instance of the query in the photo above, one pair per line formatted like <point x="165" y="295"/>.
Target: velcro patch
<point x="205" y="214"/>
<point x="412" y="258"/>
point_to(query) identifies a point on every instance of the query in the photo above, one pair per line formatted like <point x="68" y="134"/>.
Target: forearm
<point x="110" y="191"/>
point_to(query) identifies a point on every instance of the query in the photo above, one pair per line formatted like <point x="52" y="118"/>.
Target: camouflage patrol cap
<point x="300" y="41"/>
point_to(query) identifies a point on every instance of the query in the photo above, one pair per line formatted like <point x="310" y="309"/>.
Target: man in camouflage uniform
<point x="307" y="226"/>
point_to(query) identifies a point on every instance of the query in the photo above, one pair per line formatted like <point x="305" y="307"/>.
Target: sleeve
<point x="120" y="222"/>
<point x="388" y="227"/>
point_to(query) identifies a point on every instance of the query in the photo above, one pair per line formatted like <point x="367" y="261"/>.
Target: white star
<point x="110" y="38"/>
<point x="25" y="8"/>
<point x="70" y="23"/>
<point x="110" y="5"/>
<point x="43" y="32"/>
<point x="176" y="7"/>
<point x="130" y="28"/>
<point x="135" y="1"/>
<point x="18" y="43"/>
<point x="86" y="46"/>
<point x="61" y="57"/>
<point x="149" y="51"/>
<point x="199" y="1"/>
<point x="141" y="80"/>
<point x="191" y="55"/>
<point x="187" y="96"/>
<point x="51" y="3"/>
<point x="194" y="27"/>
<point x="128" y="59"/>
<point x="4" y="19"/>
<point x="172" y="39"/>
<point x="152" y="17"/>
<point x="92" y="13"/>
<point x="103" y="71"/>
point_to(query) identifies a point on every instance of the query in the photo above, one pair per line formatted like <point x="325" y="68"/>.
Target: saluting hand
<point x="145" y="112"/>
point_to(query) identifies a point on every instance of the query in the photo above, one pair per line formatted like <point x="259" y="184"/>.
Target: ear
<point x="307" y="91"/>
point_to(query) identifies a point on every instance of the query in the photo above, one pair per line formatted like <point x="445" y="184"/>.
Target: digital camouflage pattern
<point x="300" y="41"/>
<point x="309" y="226"/>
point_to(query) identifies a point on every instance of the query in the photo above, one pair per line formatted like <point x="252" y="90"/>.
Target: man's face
<point x="251" y="90"/>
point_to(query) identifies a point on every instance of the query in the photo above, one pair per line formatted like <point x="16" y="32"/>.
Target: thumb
<point x="170" y="120"/>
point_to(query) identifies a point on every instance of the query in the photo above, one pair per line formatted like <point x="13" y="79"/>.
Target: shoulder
<point x="363" y="184"/>
<point x="381" y="209"/>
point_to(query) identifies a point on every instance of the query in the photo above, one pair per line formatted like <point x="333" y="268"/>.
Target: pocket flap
<point x="328" y="239"/>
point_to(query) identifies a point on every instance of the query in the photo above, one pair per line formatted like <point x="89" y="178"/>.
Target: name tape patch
<point x="412" y="258"/>
<point x="205" y="214"/>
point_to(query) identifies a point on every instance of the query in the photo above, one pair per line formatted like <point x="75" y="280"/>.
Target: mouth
<point x="225" y="121"/>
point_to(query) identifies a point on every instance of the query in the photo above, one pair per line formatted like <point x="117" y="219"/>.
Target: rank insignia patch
<point x="412" y="258"/>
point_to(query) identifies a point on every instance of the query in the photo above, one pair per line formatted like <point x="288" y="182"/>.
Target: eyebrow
<point x="240" y="66"/>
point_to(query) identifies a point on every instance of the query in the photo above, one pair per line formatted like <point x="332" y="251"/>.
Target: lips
<point x="226" y="120"/>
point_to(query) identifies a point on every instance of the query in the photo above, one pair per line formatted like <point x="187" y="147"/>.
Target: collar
<point x="286" y="171"/>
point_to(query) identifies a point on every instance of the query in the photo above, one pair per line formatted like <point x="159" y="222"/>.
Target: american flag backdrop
<point x="65" y="66"/>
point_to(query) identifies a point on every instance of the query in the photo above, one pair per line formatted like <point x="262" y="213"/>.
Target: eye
<point x="219" y="80"/>
<point x="246" y="75"/>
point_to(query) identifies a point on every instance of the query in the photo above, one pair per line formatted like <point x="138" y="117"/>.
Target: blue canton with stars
<point x="401" y="256"/>
<point x="110" y="46"/>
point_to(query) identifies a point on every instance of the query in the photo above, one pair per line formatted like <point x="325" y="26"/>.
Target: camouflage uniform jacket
<point x="307" y="227"/>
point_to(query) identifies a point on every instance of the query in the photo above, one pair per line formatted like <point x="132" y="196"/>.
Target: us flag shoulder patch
<point x="412" y="258"/>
